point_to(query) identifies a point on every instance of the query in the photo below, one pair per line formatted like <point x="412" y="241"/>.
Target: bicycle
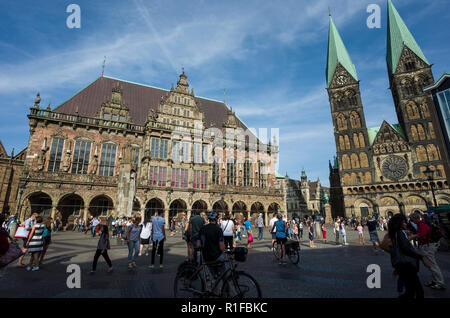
<point x="292" y="251"/>
<point x="199" y="281"/>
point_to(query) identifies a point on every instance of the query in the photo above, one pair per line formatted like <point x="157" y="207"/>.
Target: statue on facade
<point x="327" y="199"/>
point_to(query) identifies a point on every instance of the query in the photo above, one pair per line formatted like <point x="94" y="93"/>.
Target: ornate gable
<point x="115" y="109"/>
<point x="389" y="140"/>
<point x="409" y="61"/>
<point x="341" y="78"/>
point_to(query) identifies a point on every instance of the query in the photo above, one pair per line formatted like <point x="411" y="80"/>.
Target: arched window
<point x="341" y="122"/>
<point x="355" y="161"/>
<point x="364" y="160"/>
<point x="362" y="143"/>
<point x="432" y="152"/>
<point x="414" y="134"/>
<point x="341" y="143"/>
<point x="424" y="110"/>
<point x="421" y="132"/>
<point x="347" y="143"/>
<point x="355" y="120"/>
<point x="356" y="140"/>
<point x="346" y="162"/>
<point x="368" y="177"/>
<point x="421" y="154"/>
<point x="431" y="130"/>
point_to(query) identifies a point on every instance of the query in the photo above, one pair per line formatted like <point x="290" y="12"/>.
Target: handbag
<point x="250" y="237"/>
<point x="13" y="253"/>
<point x="22" y="232"/>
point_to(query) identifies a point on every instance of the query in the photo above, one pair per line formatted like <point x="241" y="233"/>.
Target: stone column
<point x="166" y="216"/>
<point x="85" y="214"/>
<point x="53" y="213"/>
<point x="328" y="217"/>
<point x="188" y="215"/>
<point x="266" y="218"/>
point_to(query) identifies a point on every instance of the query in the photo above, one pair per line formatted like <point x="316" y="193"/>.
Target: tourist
<point x="279" y="227"/>
<point x="183" y="226"/>
<point x="249" y="229"/>
<point x="102" y="249"/>
<point x="29" y="223"/>
<point x="158" y="237"/>
<point x="336" y="230"/>
<point x="47" y="237"/>
<point x="35" y="244"/>
<point x="344" y="234"/>
<point x="189" y="244"/>
<point x="405" y="258"/>
<point x="211" y="241"/>
<point x="271" y="226"/>
<point x="260" y="224"/>
<point x="295" y="231"/>
<point x="238" y="231"/>
<point x="75" y="224"/>
<point x="300" y="230"/>
<point x="195" y="224"/>
<point x="290" y="229"/>
<point x="4" y="243"/>
<point x="145" y="236"/>
<point x="95" y="222"/>
<point x="311" y="234"/>
<point x="12" y="226"/>
<point x="428" y="248"/>
<point x="227" y="227"/>
<point x="324" y="233"/>
<point x="132" y="238"/>
<point x="360" y="229"/>
<point x="372" y="228"/>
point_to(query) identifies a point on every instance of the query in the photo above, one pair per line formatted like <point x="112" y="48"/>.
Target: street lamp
<point x="430" y="174"/>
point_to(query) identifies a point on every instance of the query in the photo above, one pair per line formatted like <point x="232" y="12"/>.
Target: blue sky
<point x="270" y="57"/>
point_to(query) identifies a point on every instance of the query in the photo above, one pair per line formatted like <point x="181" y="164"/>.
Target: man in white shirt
<point x="271" y="223"/>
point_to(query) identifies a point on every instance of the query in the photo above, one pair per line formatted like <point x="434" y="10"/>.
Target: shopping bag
<point x="13" y="253"/>
<point x="22" y="232"/>
<point x="250" y="237"/>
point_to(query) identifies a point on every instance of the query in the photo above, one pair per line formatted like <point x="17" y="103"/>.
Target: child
<point x="360" y="233"/>
<point x="324" y="233"/>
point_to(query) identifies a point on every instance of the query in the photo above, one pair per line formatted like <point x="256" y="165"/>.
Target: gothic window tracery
<point x="355" y="120"/>
<point x="364" y="160"/>
<point x="346" y="162"/>
<point x="432" y="152"/>
<point x="421" y="154"/>
<point x="362" y="144"/>
<point x="341" y="122"/>
<point x="351" y="97"/>
<point x="424" y="110"/>
<point x="347" y="142"/>
<point x="356" y="140"/>
<point x="355" y="161"/>
<point x="431" y="130"/>
<point x="414" y="134"/>
<point x="341" y="143"/>
<point x="412" y="110"/>
<point x="421" y="132"/>
<point x="368" y="177"/>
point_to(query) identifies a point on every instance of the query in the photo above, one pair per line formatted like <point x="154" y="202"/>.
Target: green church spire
<point x="337" y="53"/>
<point x="398" y="35"/>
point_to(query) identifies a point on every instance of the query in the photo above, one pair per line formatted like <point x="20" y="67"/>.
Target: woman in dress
<point x="35" y="244"/>
<point x="324" y="233"/>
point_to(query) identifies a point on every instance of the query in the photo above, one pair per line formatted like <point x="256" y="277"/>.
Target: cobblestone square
<point x="328" y="271"/>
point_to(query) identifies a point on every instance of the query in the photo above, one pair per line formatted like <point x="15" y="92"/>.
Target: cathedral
<point x="381" y="169"/>
<point x="118" y="148"/>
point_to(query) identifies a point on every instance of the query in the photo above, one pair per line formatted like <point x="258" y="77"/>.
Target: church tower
<point x="352" y="141"/>
<point x="409" y="72"/>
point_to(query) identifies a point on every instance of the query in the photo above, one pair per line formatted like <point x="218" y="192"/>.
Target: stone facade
<point x="11" y="167"/>
<point x="382" y="169"/>
<point x="304" y="197"/>
<point x="143" y="149"/>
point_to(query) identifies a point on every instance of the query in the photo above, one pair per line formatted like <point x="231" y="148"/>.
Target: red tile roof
<point x="139" y="98"/>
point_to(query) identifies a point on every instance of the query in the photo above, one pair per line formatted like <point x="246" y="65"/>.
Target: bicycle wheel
<point x="240" y="285"/>
<point x="188" y="283"/>
<point x="275" y="249"/>
<point x="294" y="255"/>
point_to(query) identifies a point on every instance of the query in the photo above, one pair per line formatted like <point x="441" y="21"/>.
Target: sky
<point x="269" y="56"/>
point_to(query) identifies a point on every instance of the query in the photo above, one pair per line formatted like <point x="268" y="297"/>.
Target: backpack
<point x="436" y="233"/>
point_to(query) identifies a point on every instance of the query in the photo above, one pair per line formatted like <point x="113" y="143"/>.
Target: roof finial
<point x="103" y="66"/>
<point x="329" y="11"/>
<point x="37" y="101"/>
<point x="182" y="70"/>
<point x="224" y="94"/>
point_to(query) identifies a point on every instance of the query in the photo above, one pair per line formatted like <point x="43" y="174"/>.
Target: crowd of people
<point x="408" y="240"/>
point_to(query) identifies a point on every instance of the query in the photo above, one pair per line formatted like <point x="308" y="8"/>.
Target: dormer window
<point x="114" y="117"/>
<point x="106" y="116"/>
<point x="122" y="118"/>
